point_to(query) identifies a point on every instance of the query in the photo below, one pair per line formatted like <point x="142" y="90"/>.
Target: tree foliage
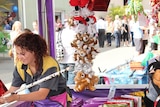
<point x="116" y="10"/>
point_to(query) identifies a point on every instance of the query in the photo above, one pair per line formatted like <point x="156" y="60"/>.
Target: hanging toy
<point x="84" y="45"/>
<point x="155" y="4"/>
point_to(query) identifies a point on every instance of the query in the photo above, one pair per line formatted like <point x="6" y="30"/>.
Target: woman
<point x="125" y="31"/>
<point x="116" y="31"/>
<point x="16" y="31"/>
<point x="109" y="31"/>
<point x="33" y="64"/>
<point x="138" y="34"/>
<point x="35" y="27"/>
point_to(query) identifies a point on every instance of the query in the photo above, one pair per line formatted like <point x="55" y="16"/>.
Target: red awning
<point x="98" y="5"/>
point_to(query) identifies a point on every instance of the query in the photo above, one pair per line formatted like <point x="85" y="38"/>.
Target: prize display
<point x="84" y="44"/>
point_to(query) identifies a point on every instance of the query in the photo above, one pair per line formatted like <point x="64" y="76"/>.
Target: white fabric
<point x="101" y="24"/>
<point x="137" y="31"/>
<point x="152" y="32"/>
<point x="131" y="22"/>
<point x="117" y="25"/>
<point x="67" y="36"/>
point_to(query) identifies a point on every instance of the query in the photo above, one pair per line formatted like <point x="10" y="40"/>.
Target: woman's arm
<point x="41" y="94"/>
<point x="11" y="90"/>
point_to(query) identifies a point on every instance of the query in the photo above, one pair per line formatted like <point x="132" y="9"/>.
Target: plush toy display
<point x="155" y="4"/>
<point x="84" y="44"/>
<point x="152" y="96"/>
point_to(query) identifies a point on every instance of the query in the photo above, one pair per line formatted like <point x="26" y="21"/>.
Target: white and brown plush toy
<point x="84" y="44"/>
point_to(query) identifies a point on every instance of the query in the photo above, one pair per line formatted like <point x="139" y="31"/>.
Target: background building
<point x="28" y="9"/>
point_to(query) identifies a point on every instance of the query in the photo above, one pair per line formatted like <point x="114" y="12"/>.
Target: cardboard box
<point x="136" y="66"/>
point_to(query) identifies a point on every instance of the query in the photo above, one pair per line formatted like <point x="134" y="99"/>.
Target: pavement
<point x="108" y="58"/>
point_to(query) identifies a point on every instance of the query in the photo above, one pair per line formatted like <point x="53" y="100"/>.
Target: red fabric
<point x="3" y="89"/>
<point x="80" y="18"/>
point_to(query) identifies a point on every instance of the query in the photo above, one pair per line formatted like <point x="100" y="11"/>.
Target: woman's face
<point x="26" y="57"/>
<point x="35" y="26"/>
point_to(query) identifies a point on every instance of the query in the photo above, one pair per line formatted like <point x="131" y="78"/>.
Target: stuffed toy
<point x="80" y="3"/>
<point x="81" y="81"/>
<point x="76" y="12"/>
<point x="93" y="80"/>
<point x="89" y="40"/>
<point x="85" y="81"/>
<point x="80" y="24"/>
<point x="84" y="45"/>
<point x="85" y="12"/>
<point x="155" y="4"/>
<point x="77" y="42"/>
<point x="81" y="28"/>
<point x="81" y="56"/>
<point x="154" y="85"/>
<point x="91" y="20"/>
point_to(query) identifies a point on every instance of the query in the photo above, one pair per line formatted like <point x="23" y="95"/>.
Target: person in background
<point x="10" y="21"/>
<point x="26" y="30"/>
<point x="35" y="27"/>
<point x="101" y="26"/>
<point x="145" y="39"/>
<point x="58" y="24"/>
<point x="125" y="31"/>
<point x="109" y="30"/>
<point x="67" y="36"/>
<point x="16" y="31"/>
<point x="138" y="35"/>
<point x="6" y="25"/>
<point x="131" y="23"/>
<point x="117" y="30"/>
<point x="33" y="64"/>
<point x="152" y="32"/>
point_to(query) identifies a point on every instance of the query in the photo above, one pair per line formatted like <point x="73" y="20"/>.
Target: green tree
<point x="116" y="10"/>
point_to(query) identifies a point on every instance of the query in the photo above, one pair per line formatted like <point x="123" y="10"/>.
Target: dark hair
<point x="27" y="30"/>
<point x="34" y="43"/>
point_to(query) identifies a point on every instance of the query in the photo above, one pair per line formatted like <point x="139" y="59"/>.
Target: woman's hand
<point x="2" y="100"/>
<point x="11" y="98"/>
